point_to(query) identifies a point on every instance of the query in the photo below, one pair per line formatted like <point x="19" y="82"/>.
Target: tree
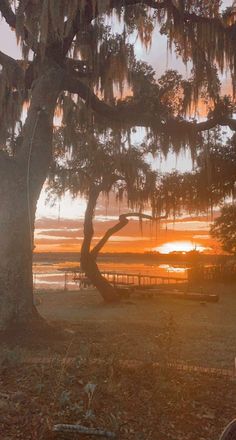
<point x="224" y="229"/>
<point x="101" y="166"/>
<point x="69" y="55"/>
<point x="209" y="185"/>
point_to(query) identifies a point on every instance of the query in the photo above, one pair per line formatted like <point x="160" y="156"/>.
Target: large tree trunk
<point x="16" y="286"/>
<point x="87" y="260"/>
<point x="89" y="256"/>
<point x="22" y="178"/>
<point x="89" y="266"/>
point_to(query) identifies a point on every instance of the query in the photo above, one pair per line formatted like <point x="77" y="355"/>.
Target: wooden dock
<point x="149" y="286"/>
<point x="132" y="279"/>
<point x="140" y="285"/>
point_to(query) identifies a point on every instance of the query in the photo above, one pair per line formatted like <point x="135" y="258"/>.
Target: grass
<point x="88" y="376"/>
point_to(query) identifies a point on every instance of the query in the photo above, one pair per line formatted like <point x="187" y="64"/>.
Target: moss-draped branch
<point x="184" y="26"/>
<point x="137" y="114"/>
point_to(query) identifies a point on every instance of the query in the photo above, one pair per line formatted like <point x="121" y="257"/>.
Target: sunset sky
<point x="66" y="236"/>
<point x="60" y="228"/>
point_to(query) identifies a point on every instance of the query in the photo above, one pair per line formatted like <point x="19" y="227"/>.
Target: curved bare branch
<point x="123" y="221"/>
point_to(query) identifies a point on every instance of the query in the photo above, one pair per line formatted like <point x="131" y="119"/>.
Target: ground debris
<point x="113" y="372"/>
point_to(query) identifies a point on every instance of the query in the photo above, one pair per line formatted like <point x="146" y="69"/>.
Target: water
<point x="56" y="276"/>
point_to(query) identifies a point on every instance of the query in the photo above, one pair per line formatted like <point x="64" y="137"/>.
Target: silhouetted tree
<point x="101" y="166"/>
<point x="224" y="229"/>
<point x="211" y="183"/>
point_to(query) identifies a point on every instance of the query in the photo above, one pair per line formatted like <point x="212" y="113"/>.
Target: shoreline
<point x="175" y="257"/>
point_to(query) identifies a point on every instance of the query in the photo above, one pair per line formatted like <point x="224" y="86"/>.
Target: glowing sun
<point x="179" y="246"/>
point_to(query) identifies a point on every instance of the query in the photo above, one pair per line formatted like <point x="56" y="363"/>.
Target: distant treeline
<point x="192" y="257"/>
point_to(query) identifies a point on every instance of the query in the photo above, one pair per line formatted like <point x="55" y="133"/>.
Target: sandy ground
<point x="200" y="334"/>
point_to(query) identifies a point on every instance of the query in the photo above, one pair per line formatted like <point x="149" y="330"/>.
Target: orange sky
<point x="65" y="235"/>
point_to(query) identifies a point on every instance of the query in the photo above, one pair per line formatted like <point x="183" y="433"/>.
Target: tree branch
<point x="151" y="3"/>
<point x="123" y="221"/>
<point x="12" y="65"/>
<point x="79" y="429"/>
<point x="10" y="18"/>
<point x="72" y="33"/>
<point x="7" y="60"/>
<point x="8" y="13"/>
<point x="185" y="15"/>
<point x="135" y="113"/>
<point x="90" y="14"/>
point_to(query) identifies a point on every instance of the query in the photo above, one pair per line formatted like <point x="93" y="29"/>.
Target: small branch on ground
<point x="65" y="428"/>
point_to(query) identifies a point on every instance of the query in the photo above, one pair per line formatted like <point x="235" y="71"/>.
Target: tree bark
<point x="22" y="178"/>
<point x="16" y="285"/>
<point x="90" y="267"/>
<point x="87" y="260"/>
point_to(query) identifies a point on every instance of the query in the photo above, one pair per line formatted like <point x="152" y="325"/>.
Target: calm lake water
<point x="52" y="275"/>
